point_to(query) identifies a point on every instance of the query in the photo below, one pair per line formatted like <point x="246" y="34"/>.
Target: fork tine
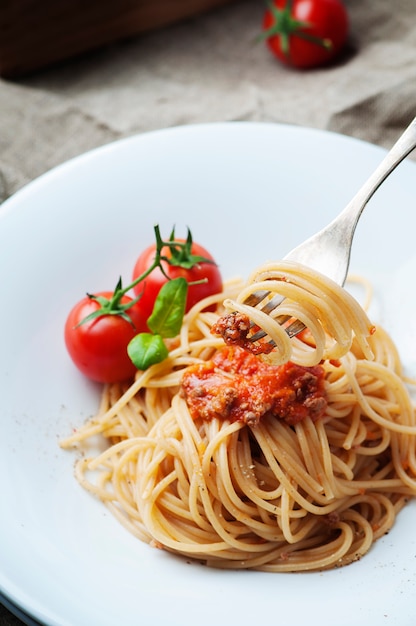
<point x="272" y="304"/>
<point x="295" y="328"/>
<point x="291" y="330"/>
<point x="255" y="298"/>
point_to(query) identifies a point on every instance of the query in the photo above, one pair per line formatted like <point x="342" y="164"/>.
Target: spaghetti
<point x="265" y="494"/>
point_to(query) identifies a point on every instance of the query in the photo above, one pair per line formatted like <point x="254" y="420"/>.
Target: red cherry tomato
<point x="150" y="287"/>
<point x="98" y="347"/>
<point x="305" y="33"/>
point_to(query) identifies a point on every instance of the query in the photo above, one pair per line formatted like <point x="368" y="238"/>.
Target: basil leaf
<point x="146" y="349"/>
<point x="169" y="308"/>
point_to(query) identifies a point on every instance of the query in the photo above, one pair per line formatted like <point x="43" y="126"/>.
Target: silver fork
<point x="329" y="250"/>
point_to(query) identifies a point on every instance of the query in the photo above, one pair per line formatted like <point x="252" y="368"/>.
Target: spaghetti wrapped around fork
<point x="331" y="316"/>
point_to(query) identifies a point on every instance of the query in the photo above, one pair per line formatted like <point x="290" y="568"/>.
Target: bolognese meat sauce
<point x="234" y="329"/>
<point x="237" y="385"/>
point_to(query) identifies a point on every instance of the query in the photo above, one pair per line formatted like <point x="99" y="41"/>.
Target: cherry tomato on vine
<point x="98" y="346"/>
<point x="305" y="33"/>
<point x="110" y="335"/>
<point x="180" y="265"/>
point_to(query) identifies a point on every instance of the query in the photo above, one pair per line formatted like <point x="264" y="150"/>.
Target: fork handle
<point x="329" y="250"/>
<point x="400" y="150"/>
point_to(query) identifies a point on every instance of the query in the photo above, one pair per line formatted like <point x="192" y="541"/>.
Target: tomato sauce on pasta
<point x="236" y="385"/>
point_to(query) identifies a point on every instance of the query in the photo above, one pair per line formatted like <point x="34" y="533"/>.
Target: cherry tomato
<point x="150" y="286"/>
<point x="305" y="33"/>
<point x="98" y="347"/>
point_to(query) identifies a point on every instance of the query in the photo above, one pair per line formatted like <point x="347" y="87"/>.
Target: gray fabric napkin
<point x="210" y="69"/>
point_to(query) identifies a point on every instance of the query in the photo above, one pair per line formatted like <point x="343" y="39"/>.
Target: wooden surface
<point x="39" y="33"/>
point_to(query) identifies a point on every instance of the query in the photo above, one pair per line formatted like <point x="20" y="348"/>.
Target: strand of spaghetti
<point x="393" y="382"/>
<point x="400" y="462"/>
<point x="98" y="423"/>
<point x="271" y="453"/>
<point x="316" y="455"/>
<point x="367" y="286"/>
<point x="217" y="450"/>
<point x="293" y="467"/>
<point x="311" y="554"/>
<point x="249" y="480"/>
<point x="222" y="527"/>
<point x="192" y="458"/>
<point x="375" y="450"/>
<point x="294" y="533"/>
<point x="355" y="421"/>
<point x="235" y="472"/>
<point x="327" y="460"/>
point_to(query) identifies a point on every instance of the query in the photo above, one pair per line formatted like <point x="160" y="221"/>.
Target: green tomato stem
<point x="285" y="25"/>
<point x="181" y="255"/>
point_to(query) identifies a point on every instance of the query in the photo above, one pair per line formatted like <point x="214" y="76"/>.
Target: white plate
<point x="249" y="192"/>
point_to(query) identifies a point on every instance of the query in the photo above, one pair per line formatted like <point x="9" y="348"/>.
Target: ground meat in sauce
<point x="237" y="385"/>
<point x="233" y="328"/>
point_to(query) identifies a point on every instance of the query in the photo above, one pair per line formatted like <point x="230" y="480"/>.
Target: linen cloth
<point x="210" y="69"/>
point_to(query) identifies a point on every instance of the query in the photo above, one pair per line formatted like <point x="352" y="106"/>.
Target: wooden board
<point x="38" y="33"/>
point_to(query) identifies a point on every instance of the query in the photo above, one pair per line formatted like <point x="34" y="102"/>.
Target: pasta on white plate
<point x="223" y="456"/>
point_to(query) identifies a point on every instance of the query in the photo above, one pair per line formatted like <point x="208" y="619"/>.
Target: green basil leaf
<point x="146" y="349"/>
<point x="169" y="308"/>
